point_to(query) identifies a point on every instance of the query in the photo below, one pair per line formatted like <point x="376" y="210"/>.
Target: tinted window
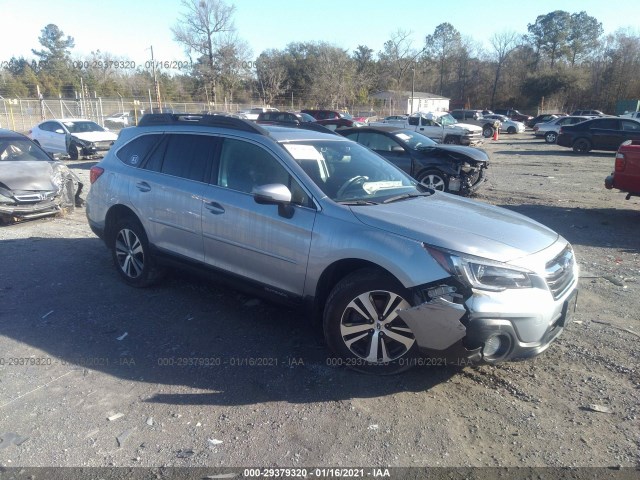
<point x="608" y="123"/>
<point x="377" y="141"/>
<point x="633" y="126"/>
<point x="50" y="126"/>
<point x="134" y="152"/>
<point x="188" y="156"/>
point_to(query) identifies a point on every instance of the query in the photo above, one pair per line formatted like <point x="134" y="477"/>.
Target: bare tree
<point x="442" y="45"/>
<point x="503" y="44"/>
<point x="394" y="58"/>
<point x="272" y="75"/>
<point x="198" y="30"/>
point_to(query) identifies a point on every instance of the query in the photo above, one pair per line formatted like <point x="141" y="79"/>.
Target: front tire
<point x="511" y="130"/>
<point x="435" y="180"/>
<point x="131" y="254"/>
<point x="362" y="327"/>
<point x="74" y="151"/>
<point x="550" y="137"/>
<point x="581" y="145"/>
<point x="452" y="140"/>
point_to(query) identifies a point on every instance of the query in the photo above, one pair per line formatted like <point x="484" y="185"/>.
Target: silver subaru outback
<point x="395" y="272"/>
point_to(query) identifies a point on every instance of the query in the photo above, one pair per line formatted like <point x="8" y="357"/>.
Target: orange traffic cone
<point x="496" y="135"/>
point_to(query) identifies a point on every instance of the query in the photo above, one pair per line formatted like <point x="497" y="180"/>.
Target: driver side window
<point x="244" y="166"/>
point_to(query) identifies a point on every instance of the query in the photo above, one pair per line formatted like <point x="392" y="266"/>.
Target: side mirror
<point x="275" y="194"/>
<point x="59" y="130"/>
<point x="397" y="149"/>
<point x="272" y="193"/>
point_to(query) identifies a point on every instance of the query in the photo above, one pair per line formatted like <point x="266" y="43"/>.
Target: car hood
<point x="473" y="153"/>
<point x="96" y="136"/>
<point x="459" y="224"/>
<point x="28" y="176"/>
<point x="468" y="126"/>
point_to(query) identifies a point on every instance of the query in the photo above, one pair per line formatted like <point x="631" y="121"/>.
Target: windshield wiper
<point x="406" y="196"/>
<point x="358" y="202"/>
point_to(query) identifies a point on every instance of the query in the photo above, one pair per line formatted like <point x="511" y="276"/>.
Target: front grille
<point x="559" y="272"/>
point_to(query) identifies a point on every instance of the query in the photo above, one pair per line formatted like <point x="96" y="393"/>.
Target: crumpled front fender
<point x="435" y="324"/>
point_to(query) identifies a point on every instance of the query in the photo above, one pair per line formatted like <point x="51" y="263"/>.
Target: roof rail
<point x="149" y="119"/>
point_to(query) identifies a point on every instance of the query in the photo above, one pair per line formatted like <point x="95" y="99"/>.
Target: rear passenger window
<point x="134" y="152"/>
<point x="188" y="156"/>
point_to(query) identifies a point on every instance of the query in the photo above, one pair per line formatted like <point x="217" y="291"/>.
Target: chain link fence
<point x="21" y="114"/>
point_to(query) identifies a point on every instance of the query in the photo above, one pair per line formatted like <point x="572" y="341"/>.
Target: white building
<point x="399" y="102"/>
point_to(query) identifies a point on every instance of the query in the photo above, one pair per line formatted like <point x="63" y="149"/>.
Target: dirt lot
<point x="94" y="373"/>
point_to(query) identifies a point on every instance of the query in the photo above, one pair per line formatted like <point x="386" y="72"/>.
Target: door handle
<point x="214" y="207"/>
<point x="143" y="186"/>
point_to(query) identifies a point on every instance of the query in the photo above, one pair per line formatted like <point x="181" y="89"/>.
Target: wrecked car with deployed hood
<point x="32" y="184"/>
<point x="392" y="269"/>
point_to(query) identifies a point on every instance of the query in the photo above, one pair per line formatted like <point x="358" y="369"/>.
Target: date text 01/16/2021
<point x="76" y="362"/>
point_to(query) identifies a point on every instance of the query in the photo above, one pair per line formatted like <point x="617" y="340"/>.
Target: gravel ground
<point x="94" y="373"/>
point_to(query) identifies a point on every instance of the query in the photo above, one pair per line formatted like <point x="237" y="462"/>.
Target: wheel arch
<point x="333" y="274"/>
<point x="115" y="213"/>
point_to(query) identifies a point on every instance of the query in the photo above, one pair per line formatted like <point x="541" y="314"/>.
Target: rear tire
<point x="131" y="254"/>
<point x="581" y="145"/>
<point x="362" y="327"/>
<point x="487" y="132"/>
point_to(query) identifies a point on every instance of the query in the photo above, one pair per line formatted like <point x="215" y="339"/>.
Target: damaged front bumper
<point x="490" y="327"/>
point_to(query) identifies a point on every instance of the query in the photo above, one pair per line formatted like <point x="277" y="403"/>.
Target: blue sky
<point x="126" y="28"/>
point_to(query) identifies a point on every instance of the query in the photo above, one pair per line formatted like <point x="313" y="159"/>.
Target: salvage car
<point x="32" y="184"/>
<point x="506" y="124"/>
<point x="447" y="168"/>
<point x="602" y="133"/>
<point x="626" y="174"/>
<point x="72" y="136"/>
<point x="549" y="130"/>
<point x="391" y="269"/>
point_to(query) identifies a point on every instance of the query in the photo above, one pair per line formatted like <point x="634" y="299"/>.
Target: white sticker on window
<point x="303" y="152"/>
<point x="403" y="136"/>
<point x="373" y="187"/>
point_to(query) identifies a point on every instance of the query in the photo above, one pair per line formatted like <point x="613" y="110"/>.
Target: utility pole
<point x="156" y="86"/>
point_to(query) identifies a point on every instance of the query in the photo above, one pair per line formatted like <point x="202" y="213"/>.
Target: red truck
<point x="626" y="175"/>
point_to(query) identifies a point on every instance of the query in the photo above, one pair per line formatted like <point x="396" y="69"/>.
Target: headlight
<point x="481" y="273"/>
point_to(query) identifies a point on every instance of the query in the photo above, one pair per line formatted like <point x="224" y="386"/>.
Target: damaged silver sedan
<point x="32" y="184"/>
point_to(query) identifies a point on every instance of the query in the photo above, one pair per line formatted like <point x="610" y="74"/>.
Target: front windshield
<point x="79" y="127"/>
<point x="447" y="120"/>
<point x="414" y="140"/>
<point x="350" y="173"/>
<point x="21" y="150"/>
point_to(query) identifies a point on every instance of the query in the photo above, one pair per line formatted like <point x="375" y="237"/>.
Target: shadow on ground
<point x="186" y="332"/>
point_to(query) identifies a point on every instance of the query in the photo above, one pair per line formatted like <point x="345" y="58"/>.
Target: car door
<point x="169" y="189"/>
<point x="431" y="129"/>
<point x="606" y="134"/>
<point x="50" y="138"/>
<point x="266" y="243"/>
